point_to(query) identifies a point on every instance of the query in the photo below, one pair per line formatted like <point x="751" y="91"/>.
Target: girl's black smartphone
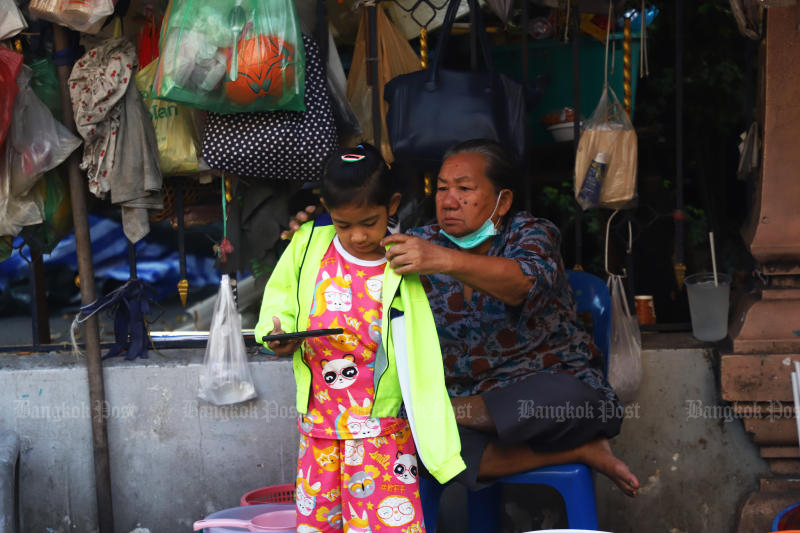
<point x="303" y="334"/>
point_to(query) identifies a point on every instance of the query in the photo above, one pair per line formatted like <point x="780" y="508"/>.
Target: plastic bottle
<point x="589" y="195"/>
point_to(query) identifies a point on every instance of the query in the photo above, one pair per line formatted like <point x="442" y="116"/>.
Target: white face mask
<point x="475" y="238"/>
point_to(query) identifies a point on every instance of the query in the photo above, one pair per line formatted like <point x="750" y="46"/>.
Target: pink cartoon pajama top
<point x="355" y="473"/>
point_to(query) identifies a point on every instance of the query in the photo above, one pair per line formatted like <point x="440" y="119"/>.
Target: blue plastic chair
<point x="573" y="481"/>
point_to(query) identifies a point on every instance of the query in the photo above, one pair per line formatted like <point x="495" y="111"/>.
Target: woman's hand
<point x="414" y="254"/>
<point x="284" y="347"/>
<point x="297" y="220"/>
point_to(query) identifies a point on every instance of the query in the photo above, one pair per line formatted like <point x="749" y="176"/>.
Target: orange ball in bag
<point x="265" y="68"/>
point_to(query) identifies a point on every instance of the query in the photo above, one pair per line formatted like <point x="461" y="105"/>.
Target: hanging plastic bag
<point x="11" y="19"/>
<point x="45" y="84"/>
<point x="178" y="144"/>
<point x="231" y="56"/>
<point x="395" y="58"/>
<point x="609" y="131"/>
<point x="10" y="63"/>
<point x="39" y="141"/>
<point x="81" y="15"/>
<point x="225" y="377"/>
<point x="16" y="211"/>
<point x="625" y="352"/>
<point x="53" y="190"/>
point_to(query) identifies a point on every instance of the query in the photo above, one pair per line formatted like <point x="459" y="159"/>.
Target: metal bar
<point x="372" y="73"/>
<point x="526" y="184"/>
<point x="132" y="259"/>
<point x="83" y="245"/>
<point x="576" y="105"/>
<point x="179" y="217"/>
<point x="39" y="308"/>
<point x="32" y="290"/>
<point x="679" y="227"/>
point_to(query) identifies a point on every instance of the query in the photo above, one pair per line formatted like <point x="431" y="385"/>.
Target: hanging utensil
<point x="237" y="20"/>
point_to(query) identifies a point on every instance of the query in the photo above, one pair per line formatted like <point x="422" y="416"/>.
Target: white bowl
<point x="562" y="132"/>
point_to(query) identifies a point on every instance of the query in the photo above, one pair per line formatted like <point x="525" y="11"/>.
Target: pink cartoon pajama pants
<point x="358" y="485"/>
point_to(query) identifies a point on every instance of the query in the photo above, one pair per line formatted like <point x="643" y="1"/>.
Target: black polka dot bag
<point x="280" y="145"/>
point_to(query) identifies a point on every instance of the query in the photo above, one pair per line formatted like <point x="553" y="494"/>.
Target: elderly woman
<point x="515" y="356"/>
<point x="507" y="325"/>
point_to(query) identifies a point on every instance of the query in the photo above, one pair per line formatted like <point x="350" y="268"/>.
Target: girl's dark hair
<point x="350" y="179"/>
<point x="501" y="167"/>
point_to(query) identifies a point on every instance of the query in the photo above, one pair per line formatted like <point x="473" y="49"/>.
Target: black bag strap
<point x="478" y="29"/>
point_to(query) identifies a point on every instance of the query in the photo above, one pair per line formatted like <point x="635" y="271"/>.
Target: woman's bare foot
<point x="599" y="456"/>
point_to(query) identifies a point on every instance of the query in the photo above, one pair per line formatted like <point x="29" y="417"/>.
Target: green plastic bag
<point x="45" y="84"/>
<point x="198" y="66"/>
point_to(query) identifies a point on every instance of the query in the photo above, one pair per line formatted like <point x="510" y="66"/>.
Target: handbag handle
<point x="479" y="27"/>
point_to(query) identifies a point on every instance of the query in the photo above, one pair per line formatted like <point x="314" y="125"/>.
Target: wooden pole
<point x="83" y="246"/>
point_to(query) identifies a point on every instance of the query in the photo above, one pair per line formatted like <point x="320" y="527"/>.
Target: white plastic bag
<point x="225" y="378"/>
<point x="11" y="19"/>
<point x="40" y="142"/>
<point x="81" y="15"/>
<point x="625" y="358"/>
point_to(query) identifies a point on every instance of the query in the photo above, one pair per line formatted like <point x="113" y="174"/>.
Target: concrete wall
<point x="175" y="459"/>
<point x="693" y="459"/>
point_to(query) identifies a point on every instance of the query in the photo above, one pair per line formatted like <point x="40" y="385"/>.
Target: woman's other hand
<point x="413" y="254"/>
<point x="298" y="219"/>
<point x="284" y="347"/>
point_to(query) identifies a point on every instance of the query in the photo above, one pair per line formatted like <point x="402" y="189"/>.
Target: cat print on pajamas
<point x="354" y="422"/>
<point x="332" y="293"/>
<point x="332" y="516"/>
<point x="306" y="493"/>
<point x="405" y="468"/>
<point x="395" y="511"/>
<point x="339" y="373"/>
<point x="353" y="452"/>
<point x="357" y="524"/>
<point x="327" y="458"/>
<point x="374" y="287"/>
<point x="362" y="484"/>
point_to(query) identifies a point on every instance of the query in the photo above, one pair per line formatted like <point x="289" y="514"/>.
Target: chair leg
<point x="430" y="493"/>
<point x="484" y="509"/>
<point x="579" y="500"/>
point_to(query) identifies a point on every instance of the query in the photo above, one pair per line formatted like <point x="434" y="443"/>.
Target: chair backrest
<point x="591" y="294"/>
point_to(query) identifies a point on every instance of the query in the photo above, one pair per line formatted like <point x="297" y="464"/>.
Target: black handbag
<point x="290" y="145"/>
<point x="432" y="110"/>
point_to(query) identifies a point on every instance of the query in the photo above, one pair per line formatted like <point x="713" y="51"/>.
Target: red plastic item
<point x="10" y="63"/>
<point x="273" y="494"/>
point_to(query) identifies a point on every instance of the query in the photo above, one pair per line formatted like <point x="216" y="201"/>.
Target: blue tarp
<point x="156" y="263"/>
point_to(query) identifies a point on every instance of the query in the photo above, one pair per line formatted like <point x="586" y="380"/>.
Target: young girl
<point x="364" y="393"/>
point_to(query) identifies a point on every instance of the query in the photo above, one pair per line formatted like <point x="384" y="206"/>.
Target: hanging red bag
<point x="10" y="63"/>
